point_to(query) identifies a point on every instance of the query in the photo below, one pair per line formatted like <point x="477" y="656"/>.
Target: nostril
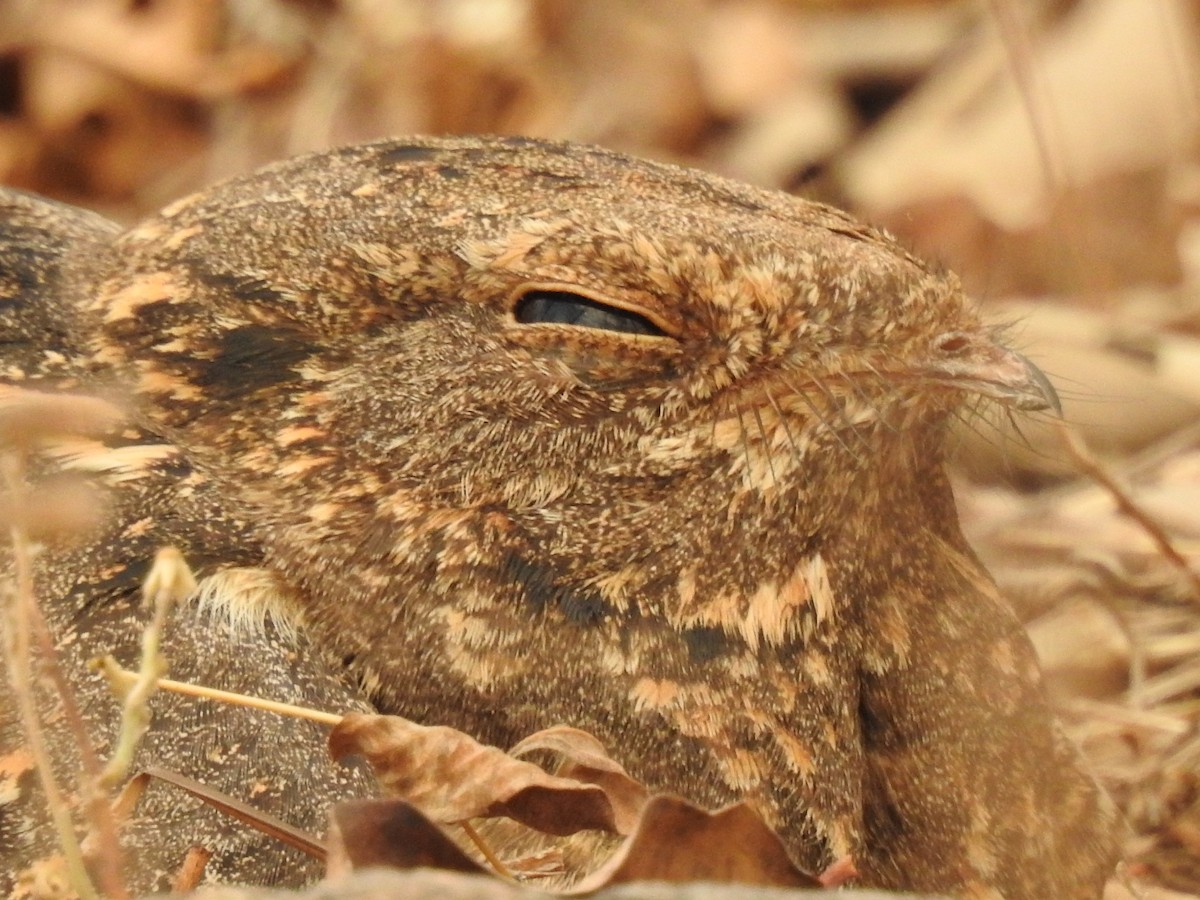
<point x="952" y="343"/>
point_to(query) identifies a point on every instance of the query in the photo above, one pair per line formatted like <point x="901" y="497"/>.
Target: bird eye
<point x="565" y="308"/>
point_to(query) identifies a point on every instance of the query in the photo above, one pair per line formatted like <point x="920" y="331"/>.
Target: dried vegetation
<point x="1044" y="149"/>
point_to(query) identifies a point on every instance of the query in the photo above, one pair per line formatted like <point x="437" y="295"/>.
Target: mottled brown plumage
<point x="726" y="545"/>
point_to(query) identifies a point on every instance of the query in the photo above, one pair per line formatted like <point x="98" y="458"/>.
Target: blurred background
<point x="1048" y="151"/>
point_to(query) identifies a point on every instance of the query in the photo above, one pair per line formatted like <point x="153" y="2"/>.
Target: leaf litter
<point x="436" y="779"/>
<point x="440" y="777"/>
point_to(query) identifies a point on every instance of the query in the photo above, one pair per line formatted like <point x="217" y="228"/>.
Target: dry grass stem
<point x="187" y="879"/>
<point x="169" y="581"/>
<point x="1175" y="682"/>
<point x="101" y="847"/>
<point x="270" y="825"/>
<point x="123" y="680"/>
<point x="129" y="796"/>
<point x="60" y="509"/>
<point x="486" y="851"/>
<point x="1102" y="712"/>
<point x="1021" y="57"/>
<point x="1092" y="467"/>
<point x="18" y="659"/>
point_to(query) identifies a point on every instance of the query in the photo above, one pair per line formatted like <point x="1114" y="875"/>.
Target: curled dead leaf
<point x="676" y="841"/>
<point x="838" y="873"/>
<point x="452" y="778"/>
<point x="585" y="759"/>
<point x="389" y="833"/>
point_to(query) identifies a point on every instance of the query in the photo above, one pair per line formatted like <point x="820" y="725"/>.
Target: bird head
<point x="545" y="372"/>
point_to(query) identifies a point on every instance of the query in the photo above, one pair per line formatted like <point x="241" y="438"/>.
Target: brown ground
<point x="1044" y="149"/>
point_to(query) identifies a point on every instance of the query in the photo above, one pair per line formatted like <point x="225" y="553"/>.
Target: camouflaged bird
<point x="501" y="433"/>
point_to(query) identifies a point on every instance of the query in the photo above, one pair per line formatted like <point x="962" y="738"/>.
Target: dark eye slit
<point x="565" y="308"/>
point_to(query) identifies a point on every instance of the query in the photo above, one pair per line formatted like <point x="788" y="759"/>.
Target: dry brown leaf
<point x="839" y="872"/>
<point x="585" y="759"/>
<point x="675" y="842"/>
<point x="389" y="833"/>
<point x="678" y="842"/>
<point x="453" y="778"/>
<point x="1083" y="649"/>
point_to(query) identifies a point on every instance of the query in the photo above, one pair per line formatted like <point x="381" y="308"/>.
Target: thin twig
<point x="102" y="848"/>
<point x="483" y="847"/>
<point x="188" y="877"/>
<point x="123" y="679"/>
<point x="169" y="581"/>
<point x="17" y="657"/>
<point x="1094" y="469"/>
<point x="259" y="819"/>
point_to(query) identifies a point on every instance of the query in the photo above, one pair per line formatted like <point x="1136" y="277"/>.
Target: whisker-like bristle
<point x="762" y="431"/>
<point x="787" y="431"/>
<point x="1028" y="443"/>
<point x="815" y="410"/>
<point x="981" y="417"/>
<point x="841" y="413"/>
<point x="745" y="447"/>
<point x="869" y="403"/>
<point x="969" y="419"/>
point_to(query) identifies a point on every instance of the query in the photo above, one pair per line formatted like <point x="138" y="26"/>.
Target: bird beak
<point x="981" y="366"/>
